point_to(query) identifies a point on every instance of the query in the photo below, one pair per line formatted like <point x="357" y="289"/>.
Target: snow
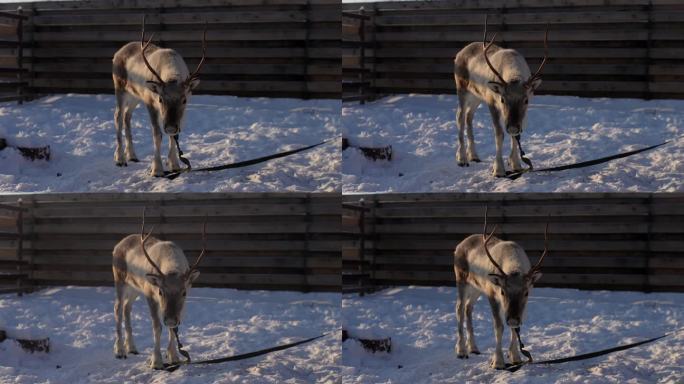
<point x="560" y="323"/>
<point x="560" y="130"/>
<point x="217" y="130"/>
<point x="218" y="323"/>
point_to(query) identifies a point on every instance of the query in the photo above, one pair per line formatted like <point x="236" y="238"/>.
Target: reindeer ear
<point x="153" y="279"/>
<point x="153" y="86"/>
<point x="193" y="84"/>
<point x="536" y="275"/>
<point x="534" y="85"/>
<point x="496" y="279"/>
<point x="193" y="275"/>
<point x="497" y="88"/>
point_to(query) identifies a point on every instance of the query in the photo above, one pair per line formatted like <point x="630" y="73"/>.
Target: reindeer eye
<point x="184" y="293"/>
<point x="502" y="100"/>
<point x="184" y="101"/>
<point x="161" y="293"/>
<point x="525" y="101"/>
<point x="160" y="99"/>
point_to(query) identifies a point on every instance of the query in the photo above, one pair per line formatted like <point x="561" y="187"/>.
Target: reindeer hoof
<point x="476" y="352"/>
<point x="134" y="352"/>
<point x="134" y="160"/>
<point x="120" y="356"/>
<point x="476" y="160"/>
<point x="462" y="356"/>
<point x="463" y="164"/>
<point x="121" y="164"/>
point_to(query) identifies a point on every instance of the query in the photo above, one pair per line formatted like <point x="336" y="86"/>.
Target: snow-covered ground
<point x="560" y="323"/>
<point x="560" y="130"/>
<point x="218" y="323"/>
<point x="217" y="130"/>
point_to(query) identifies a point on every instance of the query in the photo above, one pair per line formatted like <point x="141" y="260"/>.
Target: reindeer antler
<point x="546" y="250"/>
<point x="195" y="74"/>
<point x="143" y="239"/>
<point x="143" y="47"/>
<point x="485" y="240"/>
<point x="204" y="246"/>
<point x="537" y="75"/>
<point x="486" y="47"/>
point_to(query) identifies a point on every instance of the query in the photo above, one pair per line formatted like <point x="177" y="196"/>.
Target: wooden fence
<point x="12" y="71"/>
<point x="597" y="241"/>
<point x="605" y="48"/>
<point x="272" y="48"/>
<point x="288" y="241"/>
<point x="12" y="264"/>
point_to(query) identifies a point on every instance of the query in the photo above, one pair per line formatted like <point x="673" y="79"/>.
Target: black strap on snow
<point x="240" y="164"/>
<point x="173" y="367"/>
<point x="522" y="346"/>
<point x="585" y="356"/>
<point x="583" y="164"/>
<point x="180" y="346"/>
<point x="522" y="155"/>
<point x="180" y="154"/>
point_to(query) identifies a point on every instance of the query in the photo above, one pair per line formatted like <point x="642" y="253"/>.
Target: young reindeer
<point x="164" y="91"/>
<point x="501" y="271"/>
<point x="159" y="271"/>
<point x="501" y="79"/>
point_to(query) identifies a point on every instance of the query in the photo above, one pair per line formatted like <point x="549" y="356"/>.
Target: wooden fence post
<point x="649" y="46"/>
<point x="307" y="53"/>
<point x="362" y="247"/>
<point x="20" y="55"/>
<point x="20" y="247"/>
<point x="362" y="60"/>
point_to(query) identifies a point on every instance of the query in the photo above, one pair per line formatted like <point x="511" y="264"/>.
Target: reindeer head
<point x="172" y="96"/>
<point x="514" y="96"/>
<point x="172" y="287"/>
<point x="514" y="287"/>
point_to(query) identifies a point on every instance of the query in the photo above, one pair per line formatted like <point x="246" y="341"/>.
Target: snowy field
<point x="560" y="130"/>
<point x="560" y="323"/>
<point x="218" y="323"/>
<point x="217" y="130"/>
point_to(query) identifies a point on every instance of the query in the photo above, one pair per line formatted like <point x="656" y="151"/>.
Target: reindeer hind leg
<point x="128" y="113"/>
<point x="473" y="103"/>
<point x="461" y="157"/>
<point x="118" y="124"/>
<point x="470" y="303"/>
<point x="131" y="295"/>
<point x="119" y="351"/>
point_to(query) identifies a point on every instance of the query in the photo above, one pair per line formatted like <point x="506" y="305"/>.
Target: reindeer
<point x="501" y="79"/>
<point x="164" y="91"/>
<point x="159" y="271"/>
<point x="501" y="271"/>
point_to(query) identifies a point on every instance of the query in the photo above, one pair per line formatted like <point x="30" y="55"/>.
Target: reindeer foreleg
<point x="157" y="168"/>
<point x="499" y="169"/>
<point x="514" y="158"/>
<point x="156" y="361"/>
<point x="173" y="155"/>
<point x="514" y="349"/>
<point x="172" y="348"/>
<point x="497" y="358"/>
